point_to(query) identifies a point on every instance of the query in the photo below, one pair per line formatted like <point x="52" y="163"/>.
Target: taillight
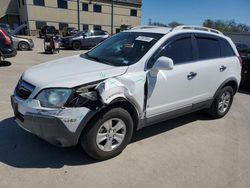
<point x="7" y="39"/>
<point x="240" y="60"/>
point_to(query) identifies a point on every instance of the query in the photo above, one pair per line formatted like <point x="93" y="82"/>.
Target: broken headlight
<point x="54" y="98"/>
<point x="83" y="96"/>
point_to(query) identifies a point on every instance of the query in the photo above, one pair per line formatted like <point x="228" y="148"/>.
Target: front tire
<point x="222" y="103"/>
<point x="76" y="45"/>
<point x="23" y="46"/>
<point x="108" y="135"/>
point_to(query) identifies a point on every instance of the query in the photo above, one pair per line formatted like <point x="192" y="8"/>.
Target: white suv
<point x="134" y="79"/>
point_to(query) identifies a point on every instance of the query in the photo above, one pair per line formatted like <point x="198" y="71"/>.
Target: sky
<point x="194" y="12"/>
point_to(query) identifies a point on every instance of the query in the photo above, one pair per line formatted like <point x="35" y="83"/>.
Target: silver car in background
<point x="21" y="43"/>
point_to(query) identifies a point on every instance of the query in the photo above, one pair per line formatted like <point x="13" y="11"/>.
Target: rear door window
<point x="98" y="33"/>
<point x="208" y="47"/>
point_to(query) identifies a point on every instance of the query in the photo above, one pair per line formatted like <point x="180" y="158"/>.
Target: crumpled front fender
<point x="129" y="87"/>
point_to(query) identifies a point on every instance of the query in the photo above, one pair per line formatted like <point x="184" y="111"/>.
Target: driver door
<point x="172" y="90"/>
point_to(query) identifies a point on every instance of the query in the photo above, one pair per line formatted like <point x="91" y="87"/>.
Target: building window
<point x="19" y="4"/>
<point x="38" y="2"/>
<point x="62" y="25"/>
<point x="85" y="6"/>
<point x="97" y="27"/>
<point x="62" y="4"/>
<point x="23" y="2"/>
<point x="97" y="8"/>
<point x="85" y="27"/>
<point x="40" y="24"/>
<point x="133" y="12"/>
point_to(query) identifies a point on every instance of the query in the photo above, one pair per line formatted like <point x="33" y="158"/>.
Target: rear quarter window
<point x="226" y="49"/>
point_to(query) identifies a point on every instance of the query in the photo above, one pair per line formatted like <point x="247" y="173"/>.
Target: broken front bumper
<point x="60" y="127"/>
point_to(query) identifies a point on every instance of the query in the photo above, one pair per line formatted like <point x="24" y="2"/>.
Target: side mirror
<point x="162" y="63"/>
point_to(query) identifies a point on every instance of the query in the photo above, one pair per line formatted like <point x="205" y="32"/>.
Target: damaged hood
<point x="70" y="72"/>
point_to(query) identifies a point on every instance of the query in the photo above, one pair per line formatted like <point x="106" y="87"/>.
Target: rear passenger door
<point x="210" y="67"/>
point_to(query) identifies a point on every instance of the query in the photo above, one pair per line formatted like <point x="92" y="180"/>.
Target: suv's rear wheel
<point x="222" y="103"/>
<point x="76" y="45"/>
<point x="23" y="46"/>
<point x="108" y="135"/>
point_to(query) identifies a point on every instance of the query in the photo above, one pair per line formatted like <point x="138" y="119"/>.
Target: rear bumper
<point x="31" y="45"/>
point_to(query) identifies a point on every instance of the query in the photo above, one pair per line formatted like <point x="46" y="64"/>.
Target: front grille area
<point x="24" y="89"/>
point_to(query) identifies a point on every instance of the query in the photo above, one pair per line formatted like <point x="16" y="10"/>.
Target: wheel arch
<point x="118" y="102"/>
<point x="232" y="82"/>
<point x="74" y="41"/>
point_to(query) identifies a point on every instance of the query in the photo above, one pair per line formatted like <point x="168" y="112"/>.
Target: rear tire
<point x="23" y="46"/>
<point x="222" y="103"/>
<point x="76" y="45"/>
<point x="108" y="134"/>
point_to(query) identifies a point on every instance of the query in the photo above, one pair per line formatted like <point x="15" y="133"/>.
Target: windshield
<point x="123" y="49"/>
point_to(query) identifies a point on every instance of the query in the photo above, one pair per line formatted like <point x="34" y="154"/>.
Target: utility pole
<point x="78" y="14"/>
<point x="112" y="18"/>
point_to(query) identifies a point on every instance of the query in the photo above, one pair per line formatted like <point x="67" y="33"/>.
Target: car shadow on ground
<point x="21" y="149"/>
<point x="5" y="64"/>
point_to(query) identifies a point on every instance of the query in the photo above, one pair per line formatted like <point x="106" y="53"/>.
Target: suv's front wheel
<point x="76" y="45"/>
<point x="222" y="103"/>
<point x="108" y="135"/>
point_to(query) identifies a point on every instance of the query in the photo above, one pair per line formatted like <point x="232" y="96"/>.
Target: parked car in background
<point x="244" y="51"/>
<point x="68" y="31"/>
<point x="136" y="78"/>
<point x="51" y="30"/>
<point x="21" y="43"/>
<point x="86" y="39"/>
<point x="7" y="49"/>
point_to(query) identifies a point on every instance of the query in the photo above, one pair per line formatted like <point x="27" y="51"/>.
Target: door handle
<point x="222" y="68"/>
<point x="191" y="75"/>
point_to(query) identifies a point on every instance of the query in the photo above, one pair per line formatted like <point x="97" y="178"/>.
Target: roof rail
<point x="147" y="27"/>
<point x="197" y="28"/>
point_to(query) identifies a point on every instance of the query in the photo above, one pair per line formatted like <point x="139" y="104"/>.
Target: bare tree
<point x="226" y="26"/>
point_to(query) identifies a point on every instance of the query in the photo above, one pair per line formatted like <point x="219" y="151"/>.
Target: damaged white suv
<point x="134" y="79"/>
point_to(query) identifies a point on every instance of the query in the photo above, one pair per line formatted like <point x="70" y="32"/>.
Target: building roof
<point x="137" y="2"/>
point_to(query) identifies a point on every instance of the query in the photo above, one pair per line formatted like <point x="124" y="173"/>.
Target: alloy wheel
<point x="111" y="134"/>
<point x="224" y="102"/>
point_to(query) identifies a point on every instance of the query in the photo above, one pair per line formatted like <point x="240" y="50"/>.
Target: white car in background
<point x="134" y="79"/>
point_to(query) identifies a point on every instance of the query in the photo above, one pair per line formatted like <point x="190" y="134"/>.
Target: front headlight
<point x="54" y="98"/>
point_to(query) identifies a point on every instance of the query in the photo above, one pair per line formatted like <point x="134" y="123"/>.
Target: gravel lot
<point x="190" y="151"/>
